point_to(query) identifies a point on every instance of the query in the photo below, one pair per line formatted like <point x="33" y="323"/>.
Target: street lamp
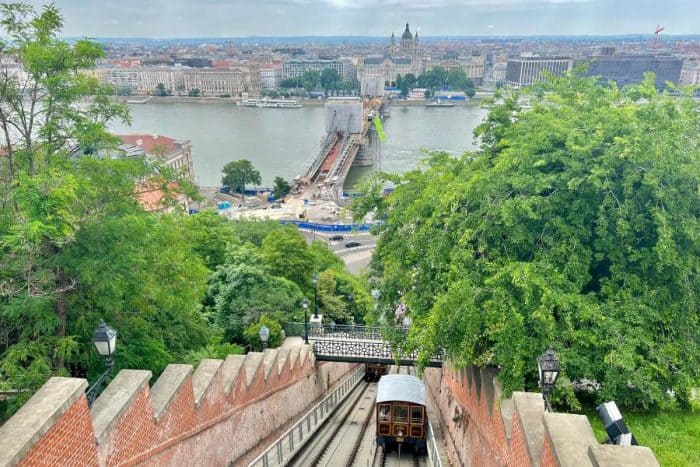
<point x="305" y="306"/>
<point x="315" y="279"/>
<point x="105" y="340"/>
<point x="264" y="336"/>
<point x="548" y="368"/>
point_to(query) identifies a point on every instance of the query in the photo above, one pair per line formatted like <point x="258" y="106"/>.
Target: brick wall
<point x="481" y="428"/>
<point x="209" y="416"/>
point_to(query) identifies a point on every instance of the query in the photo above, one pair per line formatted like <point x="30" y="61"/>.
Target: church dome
<point x="407" y="33"/>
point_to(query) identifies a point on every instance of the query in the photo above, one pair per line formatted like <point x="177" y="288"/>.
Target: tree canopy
<point x="575" y="225"/>
<point x="238" y="174"/>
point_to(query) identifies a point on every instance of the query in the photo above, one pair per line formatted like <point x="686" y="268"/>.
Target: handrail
<point x="433" y="453"/>
<point x="279" y="453"/>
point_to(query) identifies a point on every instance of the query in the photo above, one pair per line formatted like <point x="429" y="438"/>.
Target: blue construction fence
<point x="330" y="227"/>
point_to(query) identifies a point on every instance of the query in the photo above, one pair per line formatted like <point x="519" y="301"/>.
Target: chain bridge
<point x="361" y="344"/>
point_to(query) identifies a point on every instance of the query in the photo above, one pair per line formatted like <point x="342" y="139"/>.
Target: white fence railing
<point x="293" y="439"/>
<point x="433" y="453"/>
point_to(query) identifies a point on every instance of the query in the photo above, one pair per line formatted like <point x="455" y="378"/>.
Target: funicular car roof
<point x="403" y="388"/>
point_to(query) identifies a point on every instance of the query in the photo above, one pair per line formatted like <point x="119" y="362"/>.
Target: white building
<point x="270" y="75"/>
<point x="524" y="71"/>
<point x="297" y="68"/>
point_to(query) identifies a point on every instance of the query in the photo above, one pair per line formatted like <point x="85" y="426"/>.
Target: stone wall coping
<point x="203" y="376"/>
<point x="36" y="417"/>
<point x="507" y="416"/>
<point x="530" y="408"/>
<point x="282" y="357"/>
<point x="116" y="399"/>
<point x="251" y="364"/>
<point x="570" y="436"/>
<point x="230" y="370"/>
<point x="269" y="359"/>
<point x="609" y="455"/>
<point x="167" y="385"/>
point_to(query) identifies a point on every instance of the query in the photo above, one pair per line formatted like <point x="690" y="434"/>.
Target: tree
<point x="457" y="79"/>
<point x="330" y="79"/>
<point x="162" y="91"/>
<point x="291" y="83"/>
<point x="245" y="288"/>
<point x="75" y="244"/>
<point x="574" y="225"/>
<point x="285" y="253"/>
<point x="194" y="92"/>
<point x="311" y="80"/>
<point x="238" y="174"/>
<point x="282" y="188"/>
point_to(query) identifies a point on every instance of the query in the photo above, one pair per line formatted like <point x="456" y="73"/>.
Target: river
<point x="282" y="142"/>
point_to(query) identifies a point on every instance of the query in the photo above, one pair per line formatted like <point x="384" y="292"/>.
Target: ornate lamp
<point x="105" y="340"/>
<point x="264" y="335"/>
<point x="548" y="368"/>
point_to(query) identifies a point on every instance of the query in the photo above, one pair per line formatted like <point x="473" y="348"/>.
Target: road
<point x="356" y="258"/>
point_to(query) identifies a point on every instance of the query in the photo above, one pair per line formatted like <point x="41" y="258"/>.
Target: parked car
<point x="335" y="238"/>
<point x="352" y="244"/>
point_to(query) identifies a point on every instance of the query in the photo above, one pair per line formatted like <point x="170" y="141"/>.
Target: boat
<point x="270" y="103"/>
<point x="439" y="103"/>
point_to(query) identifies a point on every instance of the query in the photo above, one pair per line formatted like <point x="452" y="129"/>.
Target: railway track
<point x="338" y="442"/>
<point x="348" y="437"/>
<point x="397" y="458"/>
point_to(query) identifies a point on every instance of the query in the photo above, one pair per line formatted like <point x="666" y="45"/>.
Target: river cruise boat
<point x="439" y="103"/>
<point x="270" y="103"/>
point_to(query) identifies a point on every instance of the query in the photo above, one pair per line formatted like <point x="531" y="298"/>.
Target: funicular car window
<point x="416" y="415"/>
<point x="384" y="411"/>
<point x="400" y="413"/>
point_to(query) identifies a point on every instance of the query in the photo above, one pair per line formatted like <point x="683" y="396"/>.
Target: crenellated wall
<point x="482" y="429"/>
<point x="211" y="415"/>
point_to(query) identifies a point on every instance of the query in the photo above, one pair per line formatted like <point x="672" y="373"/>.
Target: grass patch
<point x="674" y="436"/>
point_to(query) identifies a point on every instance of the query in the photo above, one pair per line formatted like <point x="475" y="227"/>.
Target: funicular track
<point x="347" y="438"/>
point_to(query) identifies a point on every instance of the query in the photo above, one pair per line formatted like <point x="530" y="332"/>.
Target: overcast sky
<point x="236" y="18"/>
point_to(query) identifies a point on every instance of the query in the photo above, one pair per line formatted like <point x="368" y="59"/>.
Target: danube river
<point x="282" y="142"/>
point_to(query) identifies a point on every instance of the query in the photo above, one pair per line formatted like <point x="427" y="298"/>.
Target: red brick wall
<point x="225" y="424"/>
<point x="68" y="442"/>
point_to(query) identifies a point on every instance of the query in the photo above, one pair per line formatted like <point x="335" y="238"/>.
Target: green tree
<point x="162" y="91"/>
<point x="75" y="245"/>
<point x="244" y="289"/>
<point x="238" y="174"/>
<point x="282" y="188"/>
<point x="286" y="254"/>
<point x="311" y="80"/>
<point x="330" y="79"/>
<point x="291" y="83"/>
<point x="195" y="92"/>
<point x="574" y="225"/>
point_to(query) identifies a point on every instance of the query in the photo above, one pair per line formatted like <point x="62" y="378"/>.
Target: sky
<point x="239" y="18"/>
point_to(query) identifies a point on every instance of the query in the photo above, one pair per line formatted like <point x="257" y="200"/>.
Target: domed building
<point x="409" y="42"/>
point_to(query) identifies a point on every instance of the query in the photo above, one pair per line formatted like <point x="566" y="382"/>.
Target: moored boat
<point x="270" y="103"/>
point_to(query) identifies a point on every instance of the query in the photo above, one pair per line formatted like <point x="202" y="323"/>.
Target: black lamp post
<point x="548" y="368"/>
<point x="305" y="306"/>
<point x="315" y="279"/>
<point x="105" y="340"/>
<point x="264" y="335"/>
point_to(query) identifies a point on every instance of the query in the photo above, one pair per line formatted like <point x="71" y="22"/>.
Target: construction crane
<point x="657" y="33"/>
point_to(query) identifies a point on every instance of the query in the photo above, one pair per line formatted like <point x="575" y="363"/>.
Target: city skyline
<point x="287" y="18"/>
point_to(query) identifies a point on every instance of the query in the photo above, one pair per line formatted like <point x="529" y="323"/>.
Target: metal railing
<point x="433" y="453"/>
<point x="347" y="331"/>
<point x="294" y="439"/>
